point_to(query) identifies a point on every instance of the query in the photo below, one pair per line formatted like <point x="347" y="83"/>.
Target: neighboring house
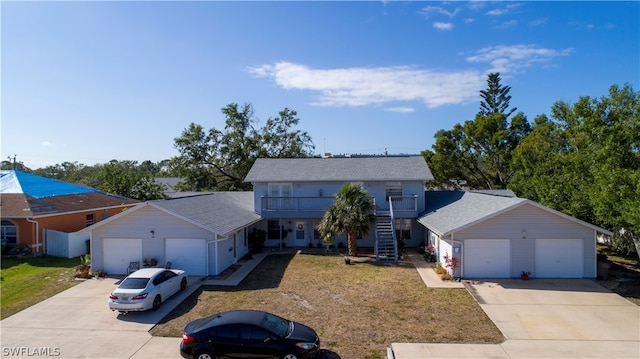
<point x="203" y="233"/>
<point x="292" y="194"/>
<point x="31" y="205"/>
<point x="494" y="234"/>
<point x="169" y="184"/>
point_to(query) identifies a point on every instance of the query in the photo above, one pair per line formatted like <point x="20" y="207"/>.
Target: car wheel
<point x="203" y="355"/>
<point x="290" y="356"/>
<point x="183" y="284"/>
<point x="156" y="302"/>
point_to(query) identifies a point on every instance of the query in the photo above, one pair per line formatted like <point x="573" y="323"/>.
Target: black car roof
<point x="235" y="317"/>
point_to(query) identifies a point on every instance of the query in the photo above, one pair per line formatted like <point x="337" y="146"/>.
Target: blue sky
<point x="96" y="81"/>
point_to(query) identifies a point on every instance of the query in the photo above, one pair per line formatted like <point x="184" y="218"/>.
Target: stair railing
<point x="393" y="230"/>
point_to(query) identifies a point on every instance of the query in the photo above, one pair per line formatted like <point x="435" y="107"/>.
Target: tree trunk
<point x="353" y="246"/>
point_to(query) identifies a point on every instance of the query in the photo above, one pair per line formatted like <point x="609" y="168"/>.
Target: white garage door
<point x="118" y="252"/>
<point x="559" y="258"/>
<point x="487" y="258"/>
<point x="187" y="254"/>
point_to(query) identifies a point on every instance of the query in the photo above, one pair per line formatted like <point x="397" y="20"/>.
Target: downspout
<point x="37" y="233"/>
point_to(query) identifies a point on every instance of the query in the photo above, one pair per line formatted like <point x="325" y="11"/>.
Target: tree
<point x="350" y="214"/>
<point x="585" y="160"/>
<point x="126" y="178"/>
<point x="477" y="155"/>
<point x="496" y="98"/>
<point x="220" y="160"/>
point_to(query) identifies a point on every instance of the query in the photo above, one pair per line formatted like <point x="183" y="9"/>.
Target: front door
<point x="301" y="240"/>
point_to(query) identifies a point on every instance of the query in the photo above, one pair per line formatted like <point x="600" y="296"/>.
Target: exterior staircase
<point x="386" y="245"/>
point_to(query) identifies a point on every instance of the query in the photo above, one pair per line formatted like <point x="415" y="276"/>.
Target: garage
<point x="119" y="252"/>
<point x="487" y="258"/>
<point x="559" y="258"/>
<point x="187" y="254"/>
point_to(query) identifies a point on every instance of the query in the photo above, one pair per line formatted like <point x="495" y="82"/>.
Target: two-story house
<point x="494" y="234"/>
<point x="293" y="194"/>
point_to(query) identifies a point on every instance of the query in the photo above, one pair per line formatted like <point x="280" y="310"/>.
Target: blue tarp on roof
<point x="38" y="187"/>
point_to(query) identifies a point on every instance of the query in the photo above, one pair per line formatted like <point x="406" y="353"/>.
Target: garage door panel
<point x="187" y="254"/>
<point x="559" y="258"/>
<point x="487" y="258"/>
<point x="119" y="252"/>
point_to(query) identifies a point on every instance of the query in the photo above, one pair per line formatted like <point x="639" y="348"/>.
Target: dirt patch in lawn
<point x="358" y="310"/>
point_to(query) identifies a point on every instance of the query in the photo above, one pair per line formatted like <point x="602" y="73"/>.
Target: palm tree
<point x="350" y="214"/>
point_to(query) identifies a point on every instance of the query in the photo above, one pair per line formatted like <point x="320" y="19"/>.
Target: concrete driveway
<point x="77" y="323"/>
<point x="540" y="318"/>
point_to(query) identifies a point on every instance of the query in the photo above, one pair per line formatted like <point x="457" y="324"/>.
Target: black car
<point x="248" y="334"/>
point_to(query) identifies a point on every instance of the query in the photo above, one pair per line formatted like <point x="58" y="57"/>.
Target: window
<point x="273" y="229"/>
<point x="393" y="189"/>
<point x="316" y="231"/>
<point x="403" y="228"/>
<point x="9" y="233"/>
<point x="280" y="193"/>
<point x="89" y="220"/>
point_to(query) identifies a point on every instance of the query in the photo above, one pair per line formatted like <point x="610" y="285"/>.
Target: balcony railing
<point x="403" y="206"/>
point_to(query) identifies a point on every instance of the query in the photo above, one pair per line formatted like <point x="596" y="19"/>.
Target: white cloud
<point x="509" y="59"/>
<point x="497" y="12"/>
<point x="401" y="109"/>
<point x="427" y="11"/>
<point x="443" y="25"/>
<point x="507" y="24"/>
<point x="363" y="86"/>
<point x="46" y="144"/>
<point x="539" y="22"/>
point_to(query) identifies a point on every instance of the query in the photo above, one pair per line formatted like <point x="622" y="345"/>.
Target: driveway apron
<point x="542" y="318"/>
<point x="78" y="324"/>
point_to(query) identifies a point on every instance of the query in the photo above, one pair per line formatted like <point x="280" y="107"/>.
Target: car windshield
<point x="276" y="325"/>
<point x="134" y="283"/>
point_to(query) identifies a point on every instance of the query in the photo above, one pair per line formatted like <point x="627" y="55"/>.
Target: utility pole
<point x="14" y="161"/>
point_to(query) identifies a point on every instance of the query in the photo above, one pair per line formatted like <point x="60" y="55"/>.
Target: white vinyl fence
<point x="67" y="245"/>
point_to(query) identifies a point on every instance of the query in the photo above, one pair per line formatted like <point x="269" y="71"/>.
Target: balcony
<point x="315" y="207"/>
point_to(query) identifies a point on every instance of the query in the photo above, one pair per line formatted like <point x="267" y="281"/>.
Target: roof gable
<point x="400" y="168"/>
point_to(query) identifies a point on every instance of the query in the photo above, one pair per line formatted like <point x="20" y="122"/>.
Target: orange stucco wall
<point x="63" y="223"/>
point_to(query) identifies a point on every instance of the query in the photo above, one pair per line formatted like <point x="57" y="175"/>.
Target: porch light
<point x="153" y="233"/>
<point x="524" y="233"/>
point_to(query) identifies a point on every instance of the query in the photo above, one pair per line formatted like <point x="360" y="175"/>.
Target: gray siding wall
<point x="537" y="223"/>
<point x="139" y="224"/>
<point x="329" y="189"/>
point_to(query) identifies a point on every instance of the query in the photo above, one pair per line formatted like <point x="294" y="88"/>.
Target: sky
<point x="90" y="82"/>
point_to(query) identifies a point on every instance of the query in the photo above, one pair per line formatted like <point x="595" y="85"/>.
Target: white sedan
<point x="146" y="289"/>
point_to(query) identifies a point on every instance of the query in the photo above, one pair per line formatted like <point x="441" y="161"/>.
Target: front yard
<point x="357" y="310"/>
<point x="27" y="281"/>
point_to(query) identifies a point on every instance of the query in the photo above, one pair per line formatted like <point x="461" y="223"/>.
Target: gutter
<point x="30" y="220"/>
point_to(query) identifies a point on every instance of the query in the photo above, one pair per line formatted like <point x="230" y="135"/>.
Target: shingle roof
<point x="450" y="211"/>
<point x="222" y="212"/>
<point x="400" y="168"/>
<point x="25" y="195"/>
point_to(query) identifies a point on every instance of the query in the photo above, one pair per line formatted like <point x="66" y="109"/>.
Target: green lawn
<point x="27" y="281"/>
<point x="358" y="310"/>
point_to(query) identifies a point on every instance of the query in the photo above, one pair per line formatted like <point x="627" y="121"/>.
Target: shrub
<point x="256" y="239"/>
<point x="624" y="243"/>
